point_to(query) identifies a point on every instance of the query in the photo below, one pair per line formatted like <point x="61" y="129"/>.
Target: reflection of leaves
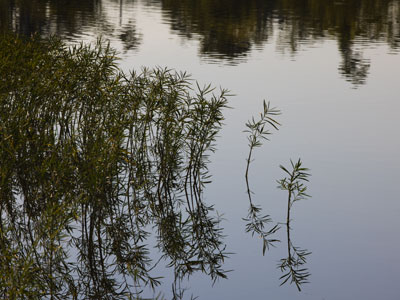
<point x="354" y="67"/>
<point x="297" y="258"/>
<point x="292" y="265"/>
<point x="51" y="17"/>
<point x="228" y="30"/>
<point x="256" y="224"/>
<point x="130" y="37"/>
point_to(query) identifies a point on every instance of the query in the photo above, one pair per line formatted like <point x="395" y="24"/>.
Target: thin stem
<point x="257" y="132"/>
<point x="288" y="225"/>
<point x="247" y="173"/>
<point x="293" y="264"/>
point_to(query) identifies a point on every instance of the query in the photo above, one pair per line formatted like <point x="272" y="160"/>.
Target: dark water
<point x="227" y="30"/>
<point x="333" y="69"/>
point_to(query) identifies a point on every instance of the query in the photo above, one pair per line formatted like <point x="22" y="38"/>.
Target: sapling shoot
<point x="258" y="131"/>
<point x="293" y="265"/>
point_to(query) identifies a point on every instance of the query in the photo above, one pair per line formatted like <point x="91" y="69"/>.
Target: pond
<point x="332" y="68"/>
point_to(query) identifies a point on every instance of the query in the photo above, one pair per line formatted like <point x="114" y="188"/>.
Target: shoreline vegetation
<point x="98" y="167"/>
<point x="93" y="162"/>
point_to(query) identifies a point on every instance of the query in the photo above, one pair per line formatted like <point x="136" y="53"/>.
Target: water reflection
<point x="110" y="178"/>
<point x="293" y="266"/>
<point x="227" y="30"/>
<point x="56" y="17"/>
<point x="68" y="19"/>
<point x="256" y="222"/>
<point x="230" y="29"/>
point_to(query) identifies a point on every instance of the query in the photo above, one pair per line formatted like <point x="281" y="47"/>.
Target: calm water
<point x="333" y="69"/>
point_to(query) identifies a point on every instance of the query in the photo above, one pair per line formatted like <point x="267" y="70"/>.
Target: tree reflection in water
<point x="66" y="19"/>
<point x="228" y="30"/>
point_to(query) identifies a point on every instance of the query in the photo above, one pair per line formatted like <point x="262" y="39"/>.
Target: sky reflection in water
<point x="332" y="68"/>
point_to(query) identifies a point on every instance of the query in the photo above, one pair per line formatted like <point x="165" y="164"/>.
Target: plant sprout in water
<point x="256" y="222"/>
<point x="293" y="264"/>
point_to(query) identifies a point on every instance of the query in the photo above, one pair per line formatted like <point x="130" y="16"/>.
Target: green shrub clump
<point x="94" y="162"/>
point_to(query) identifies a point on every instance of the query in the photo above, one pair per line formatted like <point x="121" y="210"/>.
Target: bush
<point x="92" y="163"/>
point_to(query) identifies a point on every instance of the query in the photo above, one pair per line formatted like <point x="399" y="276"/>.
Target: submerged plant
<point x="93" y="162"/>
<point x="293" y="265"/>
<point x="256" y="222"/>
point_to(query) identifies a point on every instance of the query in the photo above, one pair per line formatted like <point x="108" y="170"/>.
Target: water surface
<point x="333" y="69"/>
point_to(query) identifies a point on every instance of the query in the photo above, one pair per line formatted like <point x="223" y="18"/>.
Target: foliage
<point x="293" y="265"/>
<point x="94" y="162"/>
<point x="258" y="132"/>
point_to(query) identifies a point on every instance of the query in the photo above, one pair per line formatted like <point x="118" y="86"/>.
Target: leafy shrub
<point x="92" y="163"/>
